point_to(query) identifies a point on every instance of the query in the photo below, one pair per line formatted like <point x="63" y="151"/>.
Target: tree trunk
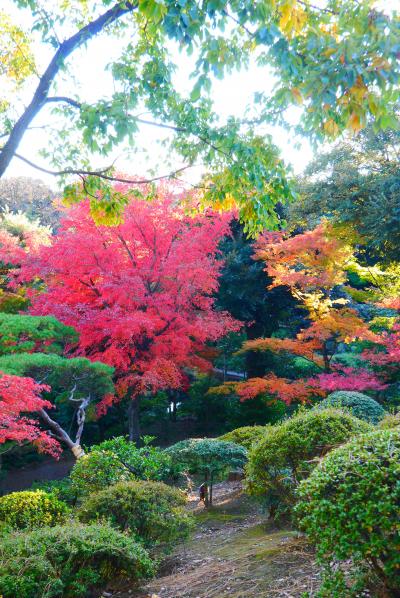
<point x="206" y="495"/>
<point x="133" y="421"/>
<point x="40" y="97"/>
<point x="61" y="435"/>
<point x="257" y="362"/>
<point x="325" y="356"/>
<point x="210" y="490"/>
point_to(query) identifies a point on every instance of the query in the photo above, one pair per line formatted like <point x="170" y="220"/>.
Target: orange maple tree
<point x="311" y="264"/>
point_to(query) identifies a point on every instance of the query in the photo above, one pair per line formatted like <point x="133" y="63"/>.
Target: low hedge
<point x="118" y="460"/>
<point x="390" y="421"/>
<point x="246" y="435"/>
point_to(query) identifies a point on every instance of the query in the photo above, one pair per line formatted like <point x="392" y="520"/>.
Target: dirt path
<point x="233" y="554"/>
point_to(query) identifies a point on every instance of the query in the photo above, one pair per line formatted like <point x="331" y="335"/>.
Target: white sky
<point x="230" y="96"/>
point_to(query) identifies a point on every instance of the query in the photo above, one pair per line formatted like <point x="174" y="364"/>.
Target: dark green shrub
<point x="68" y="561"/>
<point x="62" y="489"/>
<point x="31" y="509"/>
<point x="245" y="436"/>
<point x="209" y="457"/>
<point x="152" y="511"/>
<point x="214" y="414"/>
<point x="289" y="452"/>
<point x="350" y="506"/>
<point x="118" y="460"/>
<point x="358" y="404"/>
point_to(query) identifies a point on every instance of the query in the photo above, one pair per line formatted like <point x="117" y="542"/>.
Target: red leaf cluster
<point x="19" y="397"/>
<point x="140" y="294"/>
<point x="284" y="389"/>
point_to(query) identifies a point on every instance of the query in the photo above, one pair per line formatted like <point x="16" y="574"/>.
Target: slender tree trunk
<point x="62" y="435"/>
<point x="210" y="491"/>
<point x="66" y="48"/>
<point x="133" y="421"/>
<point x="325" y="356"/>
<point x="206" y="495"/>
<point x="174" y="410"/>
<point x="257" y="362"/>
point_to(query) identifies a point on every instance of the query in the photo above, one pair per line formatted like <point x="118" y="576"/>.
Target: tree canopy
<point x="140" y="294"/>
<point x="357" y="182"/>
<point x="338" y="63"/>
<point x="30" y="196"/>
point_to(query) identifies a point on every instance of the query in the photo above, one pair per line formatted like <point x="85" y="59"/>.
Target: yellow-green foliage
<point x="390" y="421"/>
<point x="246" y="435"/>
<point x="290" y="451"/>
<point x="30" y="509"/>
<point x="150" y="511"/>
<point x="349" y="506"/>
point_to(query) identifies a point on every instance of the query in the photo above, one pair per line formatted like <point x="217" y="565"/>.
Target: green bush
<point x="96" y="470"/>
<point x="289" y="452"/>
<point x="245" y="436"/>
<point x="68" y="560"/>
<point x="151" y="511"/>
<point x="31" y="509"/>
<point x="118" y="460"/>
<point x="210" y="457"/>
<point x="350" y="505"/>
<point x="358" y="404"/>
<point x="391" y="420"/>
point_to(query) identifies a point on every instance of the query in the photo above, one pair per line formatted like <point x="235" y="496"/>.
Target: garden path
<point x="234" y="554"/>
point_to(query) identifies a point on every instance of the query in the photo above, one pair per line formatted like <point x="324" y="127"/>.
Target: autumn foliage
<point x="18" y="398"/>
<point x="140" y="294"/>
<point x="312" y="264"/>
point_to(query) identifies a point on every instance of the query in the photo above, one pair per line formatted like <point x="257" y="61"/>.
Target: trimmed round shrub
<point x="290" y="451"/>
<point x="32" y="509"/>
<point x="115" y="461"/>
<point x="350" y="506"/>
<point x="151" y="511"/>
<point x="245" y="436"/>
<point x="390" y="421"/>
<point x="208" y="455"/>
<point x="68" y="560"/>
<point x="358" y="404"/>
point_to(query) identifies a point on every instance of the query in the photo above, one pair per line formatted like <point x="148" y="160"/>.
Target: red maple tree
<point x="19" y="400"/>
<point x="140" y="294"/>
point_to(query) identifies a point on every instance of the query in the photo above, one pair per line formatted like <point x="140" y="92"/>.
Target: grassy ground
<point x="233" y="554"/>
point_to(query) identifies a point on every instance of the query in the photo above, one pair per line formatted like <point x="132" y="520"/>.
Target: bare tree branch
<point x="102" y="173"/>
<point x="66" y="49"/>
<point x="64" y="99"/>
<point x="2" y="135"/>
<point x="80" y="418"/>
<point x="143" y="121"/>
<point x="60" y="434"/>
<point x="319" y="8"/>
